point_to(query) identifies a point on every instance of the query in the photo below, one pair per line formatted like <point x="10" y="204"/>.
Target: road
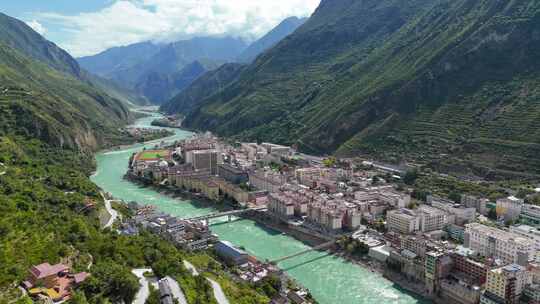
<point x="191" y="268"/>
<point x="218" y="292"/>
<point x="176" y="291"/>
<point x="144" y="291"/>
<point x="113" y="213"/>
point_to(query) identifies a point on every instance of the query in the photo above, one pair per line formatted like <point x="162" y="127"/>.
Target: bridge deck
<point x="221" y="214"/>
<point x="319" y="247"/>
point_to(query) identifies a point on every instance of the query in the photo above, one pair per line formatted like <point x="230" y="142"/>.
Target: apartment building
<point x="505" y="284"/>
<point x="473" y="271"/>
<point x="267" y="180"/>
<point x="492" y="242"/>
<point x="403" y="221"/>
<point x="280" y="205"/>
<point x="462" y="214"/>
<point x="206" y="160"/>
<point x="509" y="208"/>
<point x="471" y="201"/>
<point x="431" y="219"/>
<point x="530" y="214"/>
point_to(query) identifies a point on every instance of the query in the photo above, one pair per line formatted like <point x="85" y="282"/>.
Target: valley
<point x="283" y="152"/>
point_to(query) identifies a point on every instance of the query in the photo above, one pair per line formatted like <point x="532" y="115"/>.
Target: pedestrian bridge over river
<point x="229" y="214"/>
<point x="319" y="247"/>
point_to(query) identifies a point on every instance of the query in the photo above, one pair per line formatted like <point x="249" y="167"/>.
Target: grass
<point x="154" y="154"/>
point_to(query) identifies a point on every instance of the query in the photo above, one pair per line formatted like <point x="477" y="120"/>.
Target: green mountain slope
<point x="44" y="94"/>
<point x="38" y="101"/>
<point x="442" y="82"/>
<point x="20" y="36"/>
<point x="205" y="86"/>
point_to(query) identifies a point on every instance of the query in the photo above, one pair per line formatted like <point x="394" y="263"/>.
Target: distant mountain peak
<point x="282" y="30"/>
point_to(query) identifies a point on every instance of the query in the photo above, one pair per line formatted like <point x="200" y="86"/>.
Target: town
<point x="447" y="251"/>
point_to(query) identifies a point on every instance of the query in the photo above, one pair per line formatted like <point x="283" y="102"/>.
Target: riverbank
<point x="331" y="279"/>
<point x="298" y="233"/>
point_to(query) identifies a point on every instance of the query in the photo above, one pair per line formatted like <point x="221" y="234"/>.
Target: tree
<point x="154" y="296"/>
<point x="410" y="177"/>
<point x="492" y="214"/>
<point x="112" y="280"/>
<point x="454" y="196"/>
<point x="270" y="285"/>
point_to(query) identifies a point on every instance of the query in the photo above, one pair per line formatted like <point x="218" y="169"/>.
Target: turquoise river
<point x="330" y="279"/>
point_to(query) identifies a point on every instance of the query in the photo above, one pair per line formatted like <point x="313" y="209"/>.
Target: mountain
<point x="111" y="61"/>
<point x="450" y="84"/>
<point x="284" y="29"/>
<point x="44" y="94"/>
<point x="17" y="35"/>
<point x="159" y="72"/>
<point x="205" y="86"/>
<point x="162" y="87"/>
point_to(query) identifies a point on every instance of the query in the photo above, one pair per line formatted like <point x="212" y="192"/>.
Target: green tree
<point x="153" y="296"/>
<point x="410" y="177"/>
<point x="492" y="214"/>
<point x="113" y="281"/>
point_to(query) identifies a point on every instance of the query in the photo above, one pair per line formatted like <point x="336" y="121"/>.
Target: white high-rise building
<point x="492" y="242"/>
<point x="402" y="221"/>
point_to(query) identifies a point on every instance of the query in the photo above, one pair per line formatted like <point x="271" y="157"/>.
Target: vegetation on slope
<point x="205" y="86"/>
<point x="393" y="78"/>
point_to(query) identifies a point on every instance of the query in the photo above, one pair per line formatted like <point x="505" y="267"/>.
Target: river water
<point x="331" y="280"/>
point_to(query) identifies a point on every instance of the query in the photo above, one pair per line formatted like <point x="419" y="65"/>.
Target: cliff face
<point x="397" y="79"/>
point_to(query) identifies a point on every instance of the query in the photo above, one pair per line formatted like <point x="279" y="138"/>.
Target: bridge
<point x="206" y="218"/>
<point x="319" y="247"/>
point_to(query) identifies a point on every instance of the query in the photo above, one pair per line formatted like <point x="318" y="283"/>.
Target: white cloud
<point x="130" y="21"/>
<point x="36" y="26"/>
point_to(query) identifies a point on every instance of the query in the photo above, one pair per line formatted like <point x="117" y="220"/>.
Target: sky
<point x="87" y="27"/>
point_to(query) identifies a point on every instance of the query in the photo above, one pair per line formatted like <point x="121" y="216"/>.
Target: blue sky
<point x="87" y="27"/>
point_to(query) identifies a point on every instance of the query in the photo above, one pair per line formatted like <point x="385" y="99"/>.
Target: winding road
<point x="177" y="291"/>
<point x="113" y="213"/>
<point x="218" y="291"/>
<point x="144" y="291"/>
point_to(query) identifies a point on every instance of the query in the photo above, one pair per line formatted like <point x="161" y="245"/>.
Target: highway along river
<point x="331" y="280"/>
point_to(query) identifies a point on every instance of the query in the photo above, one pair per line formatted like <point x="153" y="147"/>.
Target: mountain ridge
<point x="357" y="77"/>
<point x="46" y="95"/>
<point x="278" y="33"/>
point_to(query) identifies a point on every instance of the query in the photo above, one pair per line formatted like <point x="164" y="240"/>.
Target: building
<point x="505" y="284"/>
<point x="480" y="204"/>
<point x="403" y="221"/>
<point x="530" y="233"/>
<point x="495" y="243"/>
<point x="206" y="160"/>
<point x="267" y="180"/>
<point x="531" y="293"/>
<point x="455" y="232"/>
<point x="276" y="149"/>
<point x="231" y="254"/>
<point x="232" y="174"/>
<point x="438" y="266"/>
<point x="509" y="208"/>
<point x="52" y="281"/>
<point x="280" y="206"/>
<point x="431" y="219"/>
<point x="462" y="215"/>
<point x="457" y="292"/>
<point x="472" y="271"/>
<point x="530" y="214"/>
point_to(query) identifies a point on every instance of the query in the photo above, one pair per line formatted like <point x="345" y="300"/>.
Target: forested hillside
<point x="447" y="83"/>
